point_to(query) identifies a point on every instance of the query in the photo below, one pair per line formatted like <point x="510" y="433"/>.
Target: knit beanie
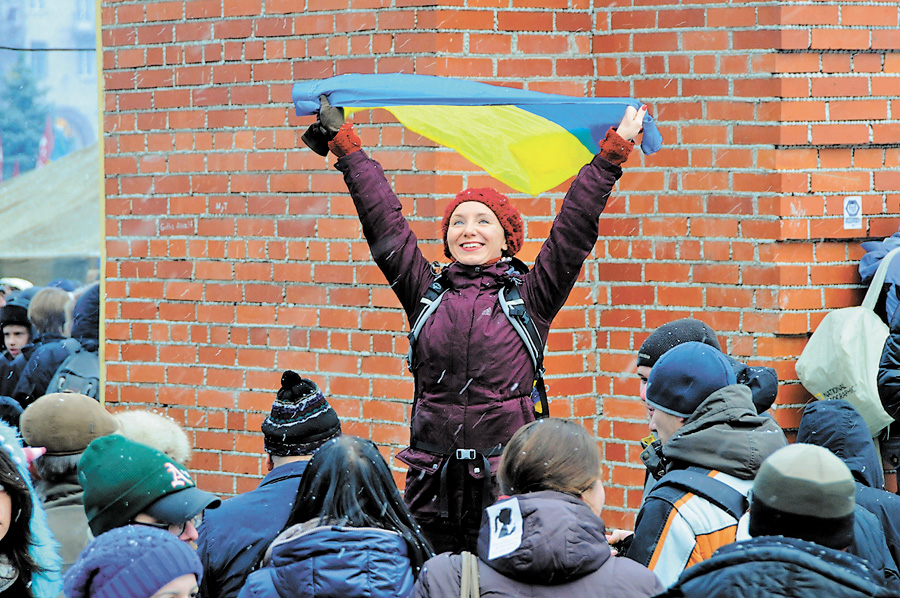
<point x="122" y="478"/>
<point x="134" y="561"/>
<point x="510" y="218"/>
<point x="15" y="312"/>
<point x="685" y="376"/>
<point x="65" y="423"/>
<point x="301" y="419"/>
<point x="672" y="334"/>
<point x="804" y="491"/>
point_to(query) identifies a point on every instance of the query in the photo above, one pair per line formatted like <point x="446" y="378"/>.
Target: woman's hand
<point x="619" y="540"/>
<point x="632" y="123"/>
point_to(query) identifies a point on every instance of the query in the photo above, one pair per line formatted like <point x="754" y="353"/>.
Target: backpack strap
<point x="699" y="482"/>
<point x="514" y="308"/>
<point x="427" y="304"/>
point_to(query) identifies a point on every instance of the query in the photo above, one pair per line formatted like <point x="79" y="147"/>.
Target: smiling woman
<point x="474" y="377"/>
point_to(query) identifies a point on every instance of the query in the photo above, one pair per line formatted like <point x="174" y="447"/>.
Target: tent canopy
<point x="54" y="211"/>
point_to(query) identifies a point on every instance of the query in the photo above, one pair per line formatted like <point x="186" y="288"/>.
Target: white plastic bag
<point x="840" y="361"/>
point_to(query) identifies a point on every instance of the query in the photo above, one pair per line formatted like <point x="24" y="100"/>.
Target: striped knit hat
<point x="301" y="419"/>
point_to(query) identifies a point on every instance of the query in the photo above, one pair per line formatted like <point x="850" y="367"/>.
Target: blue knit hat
<point x="134" y="561"/>
<point x="685" y="376"/>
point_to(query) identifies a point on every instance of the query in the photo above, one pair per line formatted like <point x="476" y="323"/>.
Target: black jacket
<point x="837" y="426"/>
<point x="773" y="567"/>
<point x="889" y="372"/>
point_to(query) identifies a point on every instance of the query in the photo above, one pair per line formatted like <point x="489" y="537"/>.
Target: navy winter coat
<point x="47" y="358"/>
<point x="888" y="300"/>
<point x="334" y="562"/>
<point x="234" y="536"/>
<point x="837" y="426"/>
<point x="474" y="377"/>
<point x="11" y="371"/>
<point x="778" y="567"/>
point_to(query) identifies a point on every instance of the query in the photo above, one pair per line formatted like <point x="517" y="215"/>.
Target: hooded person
<point x="47" y="358"/>
<point x="29" y="561"/>
<point x="545" y="538"/>
<point x="234" y="537"/>
<point x="134" y="561"/>
<point x="801" y="520"/>
<point x="466" y="404"/>
<point x="348" y="535"/>
<point x="712" y="442"/>
<point x="128" y="482"/>
<point x="64" y="424"/>
<point x="837" y="426"/>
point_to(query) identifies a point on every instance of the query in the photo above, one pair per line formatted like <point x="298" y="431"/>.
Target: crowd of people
<point x="500" y="498"/>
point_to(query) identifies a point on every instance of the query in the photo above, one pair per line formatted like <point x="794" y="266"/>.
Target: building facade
<point x="233" y="252"/>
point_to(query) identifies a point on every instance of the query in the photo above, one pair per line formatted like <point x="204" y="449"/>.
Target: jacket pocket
<point x="421" y="461"/>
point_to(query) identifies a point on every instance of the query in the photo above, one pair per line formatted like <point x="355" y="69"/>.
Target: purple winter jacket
<point x="473" y="376"/>
<point x="561" y="551"/>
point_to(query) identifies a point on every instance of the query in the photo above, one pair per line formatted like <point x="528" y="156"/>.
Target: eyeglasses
<point x="173" y="528"/>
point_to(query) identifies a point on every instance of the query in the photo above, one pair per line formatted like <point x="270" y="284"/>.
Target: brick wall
<point x="234" y="253"/>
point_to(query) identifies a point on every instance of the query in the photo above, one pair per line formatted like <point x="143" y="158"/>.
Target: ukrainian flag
<point x="529" y="140"/>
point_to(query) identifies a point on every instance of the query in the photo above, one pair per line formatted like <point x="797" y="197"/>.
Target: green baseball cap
<point x="122" y="478"/>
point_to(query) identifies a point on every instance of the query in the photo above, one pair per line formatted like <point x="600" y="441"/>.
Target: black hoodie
<point x="837" y="426"/>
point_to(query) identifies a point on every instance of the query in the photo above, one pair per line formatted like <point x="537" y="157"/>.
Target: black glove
<point x="328" y="123"/>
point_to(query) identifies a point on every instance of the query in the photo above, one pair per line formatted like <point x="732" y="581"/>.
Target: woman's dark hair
<point x="550" y="454"/>
<point x="18" y="539"/>
<point x="348" y="482"/>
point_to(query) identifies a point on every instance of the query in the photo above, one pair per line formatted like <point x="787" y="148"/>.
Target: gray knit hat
<point x="804" y="491"/>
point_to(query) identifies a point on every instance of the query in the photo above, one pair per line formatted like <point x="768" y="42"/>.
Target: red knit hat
<point x="510" y="218"/>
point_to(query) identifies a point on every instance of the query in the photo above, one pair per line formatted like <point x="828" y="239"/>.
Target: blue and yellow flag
<point x="529" y="140"/>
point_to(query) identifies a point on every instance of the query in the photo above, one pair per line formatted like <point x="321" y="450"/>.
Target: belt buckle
<point x="465" y="454"/>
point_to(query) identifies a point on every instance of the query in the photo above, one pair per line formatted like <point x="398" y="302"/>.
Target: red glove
<point x="614" y="148"/>
<point x="345" y="142"/>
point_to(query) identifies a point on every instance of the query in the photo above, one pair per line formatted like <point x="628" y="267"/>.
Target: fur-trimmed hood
<point x="47" y="583"/>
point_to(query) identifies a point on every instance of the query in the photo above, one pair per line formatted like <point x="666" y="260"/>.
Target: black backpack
<point x="80" y="372"/>
<point x="514" y="308"/>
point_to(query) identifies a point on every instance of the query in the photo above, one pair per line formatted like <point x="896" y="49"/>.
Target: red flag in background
<point x="15" y="169"/>
<point x="1" y="158"/>
<point x="45" y="149"/>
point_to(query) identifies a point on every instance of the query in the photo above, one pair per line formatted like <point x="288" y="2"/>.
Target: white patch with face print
<point x="505" y="518"/>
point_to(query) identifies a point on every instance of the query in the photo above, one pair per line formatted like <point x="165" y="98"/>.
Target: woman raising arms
<point x="473" y="375"/>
